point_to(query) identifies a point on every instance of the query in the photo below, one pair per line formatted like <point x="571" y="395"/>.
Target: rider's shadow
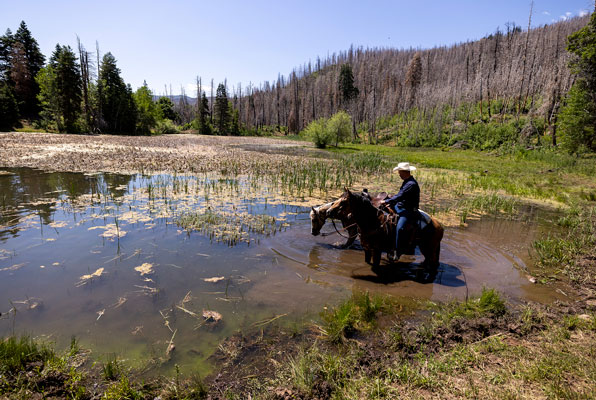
<point x="445" y="275"/>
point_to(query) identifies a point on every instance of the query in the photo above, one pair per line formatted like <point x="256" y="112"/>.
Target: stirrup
<point x="392" y="256"/>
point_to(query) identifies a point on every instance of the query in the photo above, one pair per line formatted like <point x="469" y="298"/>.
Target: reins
<point x="338" y="231"/>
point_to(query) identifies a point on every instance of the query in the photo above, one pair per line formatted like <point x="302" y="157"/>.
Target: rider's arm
<point x="403" y="193"/>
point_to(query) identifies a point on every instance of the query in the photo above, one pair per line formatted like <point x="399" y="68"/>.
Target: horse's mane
<point x="323" y="207"/>
<point x="369" y="212"/>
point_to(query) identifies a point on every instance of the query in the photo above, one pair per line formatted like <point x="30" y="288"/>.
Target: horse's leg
<point x="433" y="249"/>
<point x="367" y="255"/>
<point x="353" y="232"/>
<point x="376" y="257"/>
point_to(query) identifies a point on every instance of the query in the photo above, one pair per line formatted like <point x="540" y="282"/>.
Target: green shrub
<point x="318" y="133"/>
<point x="166" y="126"/>
<point x="323" y="132"/>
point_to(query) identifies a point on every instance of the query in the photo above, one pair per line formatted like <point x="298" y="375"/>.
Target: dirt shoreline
<point x="138" y="154"/>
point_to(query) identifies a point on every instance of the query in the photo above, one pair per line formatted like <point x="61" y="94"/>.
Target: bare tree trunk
<point x="84" y="64"/>
<point x="99" y="120"/>
<point x="521" y="87"/>
<point x="211" y="103"/>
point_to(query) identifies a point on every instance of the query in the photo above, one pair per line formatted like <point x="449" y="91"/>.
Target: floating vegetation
<point x="31" y="303"/>
<point x="119" y="303"/>
<point x="230" y="227"/>
<point x="13" y="267"/>
<point x="145" y="269"/>
<point x="214" y="279"/>
<point x="87" y="278"/>
<point x="211" y="316"/>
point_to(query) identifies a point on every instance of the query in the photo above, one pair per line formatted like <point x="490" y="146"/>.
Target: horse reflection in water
<point x="377" y="229"/>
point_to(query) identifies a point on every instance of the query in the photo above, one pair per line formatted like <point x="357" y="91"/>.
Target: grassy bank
<point x="362" y="348"/>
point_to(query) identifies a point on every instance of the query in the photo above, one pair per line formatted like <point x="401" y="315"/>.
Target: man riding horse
<point x="405" y="203"/>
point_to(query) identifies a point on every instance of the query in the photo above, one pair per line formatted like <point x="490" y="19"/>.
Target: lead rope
<point x="339" y="231"/>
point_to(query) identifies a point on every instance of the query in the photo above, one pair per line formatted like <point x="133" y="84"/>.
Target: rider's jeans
<point x="405" y="216"/>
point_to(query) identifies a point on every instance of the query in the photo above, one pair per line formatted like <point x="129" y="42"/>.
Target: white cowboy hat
<point x="404" y="166"/>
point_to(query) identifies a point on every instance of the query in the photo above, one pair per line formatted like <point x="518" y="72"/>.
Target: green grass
<point x="357" y="312"/>
<point x="552" y="358"/>
<point x="122" y="389"/>
<point x="112" y="369"/>
<point x="488" y="303"/>
<point x="557" y="253"/>
<point x="17" y="353"/>
<point x="551" y="175"/>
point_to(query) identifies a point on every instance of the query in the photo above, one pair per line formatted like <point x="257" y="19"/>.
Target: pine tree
<point x="60" y="91"/>
<point x="6" y="42"/>
<point x="9" y="111"/>
<point x="346" y="85"/>
<point x="28" y="53"/>
<point x="578" y="117"/>
<point x="203" y="118"/>
<point x="166" y="108"/>
<point x="414" y="77"/>
<point x="235" y="120"/>
<point x="222" y="112"/>
<point x="116" y="100"/>
<point x="147" y="110"/>
<point x="68" y="86"/>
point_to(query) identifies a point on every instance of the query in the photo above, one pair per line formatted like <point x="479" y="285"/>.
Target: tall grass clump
<point x="17" y="353"/>
<point x="358" y="312"/>
<point x="489" y="303"/>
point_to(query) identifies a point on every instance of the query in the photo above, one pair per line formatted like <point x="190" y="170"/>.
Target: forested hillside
<point x="522" y="71"/>
<point x="511" y="84"/>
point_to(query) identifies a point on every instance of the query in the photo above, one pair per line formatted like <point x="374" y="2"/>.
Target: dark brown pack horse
<point x="377" y="229"/>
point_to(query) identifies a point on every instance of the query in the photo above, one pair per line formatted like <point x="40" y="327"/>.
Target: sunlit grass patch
<point x="358" y="312"/>
<point x="489" y="303"/>
<point x="122" y="389"/>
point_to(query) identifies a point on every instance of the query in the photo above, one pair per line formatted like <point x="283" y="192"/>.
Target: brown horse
<point x="377" y="229"/>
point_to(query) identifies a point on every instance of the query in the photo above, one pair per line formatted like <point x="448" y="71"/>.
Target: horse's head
<point x="340" y="208"/>
<point x="318" y="216"/>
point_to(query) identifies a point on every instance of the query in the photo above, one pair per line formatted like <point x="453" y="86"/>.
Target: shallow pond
<point x="101" y="257"/>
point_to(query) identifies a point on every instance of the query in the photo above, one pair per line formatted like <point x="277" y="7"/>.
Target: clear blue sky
<point x="171" y="42"/>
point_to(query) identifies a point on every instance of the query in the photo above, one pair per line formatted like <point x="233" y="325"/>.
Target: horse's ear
<point x="346" y="189"/>
<point x="313" y="209"/>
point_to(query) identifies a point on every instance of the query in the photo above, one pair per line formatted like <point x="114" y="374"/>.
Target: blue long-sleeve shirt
<point x="408" y="197"/>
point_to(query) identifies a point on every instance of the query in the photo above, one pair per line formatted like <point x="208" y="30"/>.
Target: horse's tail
<point x="438" y="228"/>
